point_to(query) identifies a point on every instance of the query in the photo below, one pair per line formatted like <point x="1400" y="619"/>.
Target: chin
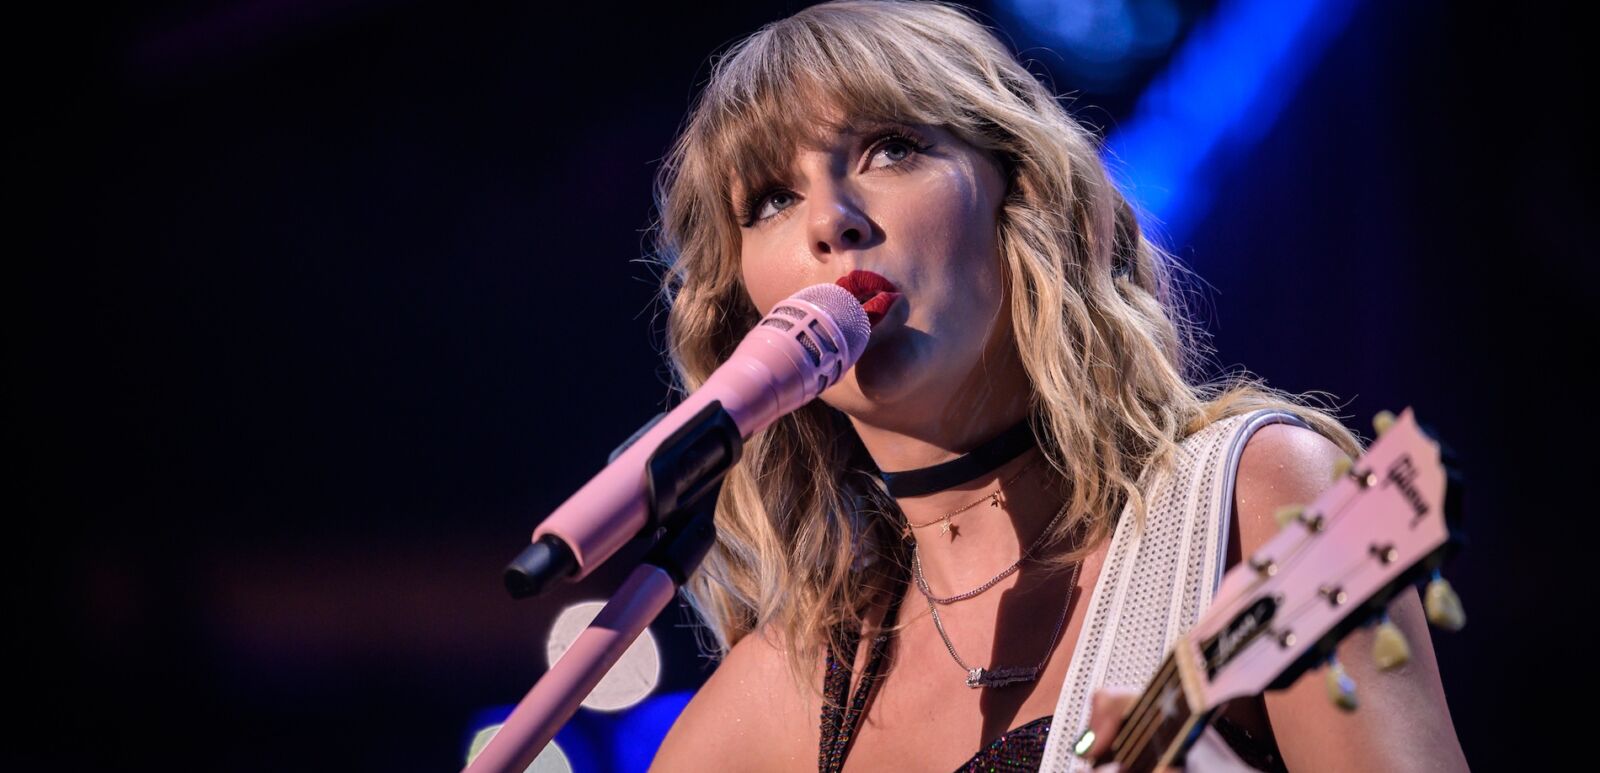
<point x="906" y="377"/>
<point x="876" y="396"/>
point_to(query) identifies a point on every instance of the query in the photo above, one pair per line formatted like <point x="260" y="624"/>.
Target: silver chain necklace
<point x="922" y="582"/>
<point x="1006" y="675"/>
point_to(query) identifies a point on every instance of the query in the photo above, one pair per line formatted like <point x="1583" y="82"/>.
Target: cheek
<point x="760" y="283"/>
<point x="771" y="275"/>
<point x="958" y="225"/>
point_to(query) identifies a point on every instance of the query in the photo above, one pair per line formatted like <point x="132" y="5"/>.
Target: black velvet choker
<point x="984" y="459"/>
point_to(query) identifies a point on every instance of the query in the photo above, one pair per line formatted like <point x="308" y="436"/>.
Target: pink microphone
<point x="798" y="350"/>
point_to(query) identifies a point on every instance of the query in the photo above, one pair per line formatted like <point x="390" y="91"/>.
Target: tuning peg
<point x="1341" y="467"/>
<point x="1443" y="605"/>
<point x="1290" y="513"/>
<point x="1383" y="421"/>
<point x="1341" y="688"/>
<point x="1389" y="647"/>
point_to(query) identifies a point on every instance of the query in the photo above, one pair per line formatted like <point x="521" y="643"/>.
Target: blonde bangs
<point x="789" y="86"/>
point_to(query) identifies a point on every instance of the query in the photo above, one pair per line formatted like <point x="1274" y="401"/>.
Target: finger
<point x="1107" y="707"/>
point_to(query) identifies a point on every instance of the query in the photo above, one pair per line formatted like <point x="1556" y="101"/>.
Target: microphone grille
<point x="846" y="312"/>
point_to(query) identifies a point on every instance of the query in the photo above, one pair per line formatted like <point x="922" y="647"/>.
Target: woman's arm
<point x="1402" y="722"/>
<point x="749" y="715"/>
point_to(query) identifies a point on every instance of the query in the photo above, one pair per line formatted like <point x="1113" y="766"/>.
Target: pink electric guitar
<point x="1334" y="567"/>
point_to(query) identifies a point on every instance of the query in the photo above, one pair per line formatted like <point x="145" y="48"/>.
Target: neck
<point x="984" y="539"/>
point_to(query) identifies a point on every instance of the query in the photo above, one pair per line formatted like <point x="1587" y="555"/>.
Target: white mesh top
<point x="1155" y="581"/>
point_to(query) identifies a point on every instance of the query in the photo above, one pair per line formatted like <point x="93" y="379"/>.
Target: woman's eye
<point x="895" y="150"/>
<point x="775" y="202"/>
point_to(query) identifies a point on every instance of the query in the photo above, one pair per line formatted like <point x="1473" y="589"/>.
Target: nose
<point x="837" y="222"/>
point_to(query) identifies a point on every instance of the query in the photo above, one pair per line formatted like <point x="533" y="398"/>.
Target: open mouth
<point x="875" y="293"/>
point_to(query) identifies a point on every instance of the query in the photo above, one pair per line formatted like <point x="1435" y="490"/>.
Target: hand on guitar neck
<point x="1210" y="753"/>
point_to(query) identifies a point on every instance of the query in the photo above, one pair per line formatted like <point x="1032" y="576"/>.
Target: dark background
<point x="321" y="306"/>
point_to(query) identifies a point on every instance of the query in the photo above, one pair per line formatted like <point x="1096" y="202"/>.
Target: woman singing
<point x="935" y="565"/>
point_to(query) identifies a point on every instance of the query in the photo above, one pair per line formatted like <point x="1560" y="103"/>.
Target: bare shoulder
<point x="1282" y="464"/>
<point x="1403" y="722"/>
<point x="749" y="715"/>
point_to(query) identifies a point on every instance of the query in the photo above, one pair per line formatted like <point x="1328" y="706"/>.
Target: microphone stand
<point x="684" y="477"/>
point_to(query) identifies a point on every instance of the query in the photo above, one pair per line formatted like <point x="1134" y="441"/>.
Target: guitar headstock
<point x="1387" y="522"/>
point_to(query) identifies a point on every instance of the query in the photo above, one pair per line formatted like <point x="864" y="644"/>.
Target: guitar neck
<point x="1164" y="722"/>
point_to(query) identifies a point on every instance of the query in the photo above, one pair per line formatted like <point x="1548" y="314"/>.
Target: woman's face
<point x="918" y="206"/>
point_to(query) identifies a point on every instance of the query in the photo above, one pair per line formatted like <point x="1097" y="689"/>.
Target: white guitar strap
<point x="1155" y="581"/>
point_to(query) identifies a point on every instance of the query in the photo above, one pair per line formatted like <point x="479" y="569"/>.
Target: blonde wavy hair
<point x="803" y="541"/>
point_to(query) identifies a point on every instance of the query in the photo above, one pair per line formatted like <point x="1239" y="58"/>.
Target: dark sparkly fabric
<point x="840" y="716"/>
<point x="1018" y="751"/>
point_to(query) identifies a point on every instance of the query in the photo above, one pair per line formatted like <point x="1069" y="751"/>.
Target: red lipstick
<point x="875" y="293"/>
